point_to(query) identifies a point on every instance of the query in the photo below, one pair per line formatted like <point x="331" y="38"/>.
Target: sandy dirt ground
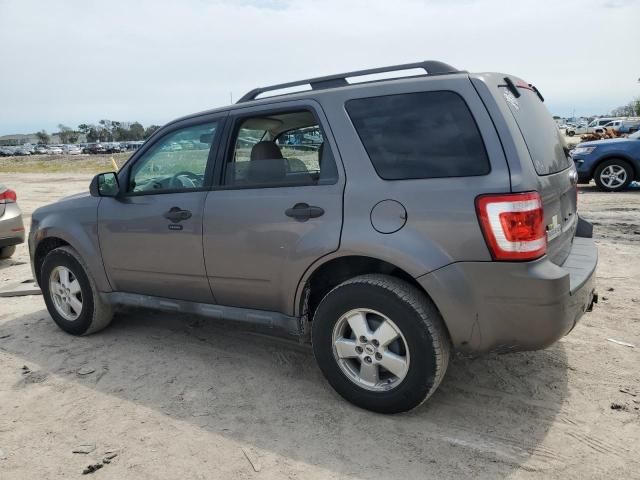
<point x="182" y="397"/>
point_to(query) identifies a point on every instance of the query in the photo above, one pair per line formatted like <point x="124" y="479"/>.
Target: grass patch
<point x="62" y="163"/>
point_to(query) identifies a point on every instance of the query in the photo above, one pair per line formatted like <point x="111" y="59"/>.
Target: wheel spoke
<point x="66" y="307"/>
<point x="75" y="304"/>
<point x="369" y="372"/>
<point x="359" y="325"/>
<point x="394" y="363"/>
<point x="346" y="348"/>
<point x="64" y="277"/>
<point x="74" y="287"/>
<point x="385" y="334"/>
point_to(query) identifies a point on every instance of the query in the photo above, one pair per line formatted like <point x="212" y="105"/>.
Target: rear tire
<point x="70" y="293"/>
<point x="411" y="340"/>
<point x="613" y="175"/>
<point x="6" y="252"/>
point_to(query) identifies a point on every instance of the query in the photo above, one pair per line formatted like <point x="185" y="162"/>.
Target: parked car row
<point x="598" y="125"/>
<point x="110" y="147"/>
<point x="106" y="147"/>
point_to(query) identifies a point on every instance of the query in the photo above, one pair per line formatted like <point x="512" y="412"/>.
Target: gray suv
<point x="387" y="222"/>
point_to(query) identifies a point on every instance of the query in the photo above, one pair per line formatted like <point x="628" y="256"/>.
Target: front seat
<point x="267" y="165"/>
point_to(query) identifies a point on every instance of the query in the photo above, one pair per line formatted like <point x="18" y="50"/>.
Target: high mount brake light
<point x="513" y="225"/>
<point x="8" y="196"/>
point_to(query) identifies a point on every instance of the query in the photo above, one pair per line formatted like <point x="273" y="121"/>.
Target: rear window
<point x="543" y="138"/>
<point x="419" y="135"/>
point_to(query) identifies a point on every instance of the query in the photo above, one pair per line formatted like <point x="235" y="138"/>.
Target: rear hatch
<point x="556" y="177"/>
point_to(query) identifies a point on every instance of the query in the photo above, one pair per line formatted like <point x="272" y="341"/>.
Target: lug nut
<point x="375" y="343"/>
<point x="367" y="359"/>
<point x="359" y="349"/>
<point x="363" y="339"/>
<point x="378" y="356"/>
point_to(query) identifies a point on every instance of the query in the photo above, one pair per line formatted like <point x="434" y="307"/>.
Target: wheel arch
<point x="49" y="238"/>
<point x="42" y="249"/>
<point x="321" y="279"/>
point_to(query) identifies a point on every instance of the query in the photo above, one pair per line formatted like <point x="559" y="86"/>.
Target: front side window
<point x="419" y="135"/>
<point x="280" y="149"/>
<point x="177" y="161"/>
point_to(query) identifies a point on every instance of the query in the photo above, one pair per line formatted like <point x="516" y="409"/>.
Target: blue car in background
<point x="612" y="163"/>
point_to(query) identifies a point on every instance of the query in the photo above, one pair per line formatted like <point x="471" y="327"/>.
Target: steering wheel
<point x="177" y="181"/>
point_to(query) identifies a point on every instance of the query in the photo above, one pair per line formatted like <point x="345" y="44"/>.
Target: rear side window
<point x="543" y="138"/>
<point x="419" y="135"/>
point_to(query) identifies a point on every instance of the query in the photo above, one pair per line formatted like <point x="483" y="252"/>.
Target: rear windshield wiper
<point x="513" y="88"/>
<point x="533" y="87"/>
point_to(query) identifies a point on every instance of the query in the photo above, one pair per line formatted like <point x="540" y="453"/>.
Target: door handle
<point x="303" y="212"/>
<point x="176" y="214"/>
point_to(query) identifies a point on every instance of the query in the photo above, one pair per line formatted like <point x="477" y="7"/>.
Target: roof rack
<point x="431" y="67"/>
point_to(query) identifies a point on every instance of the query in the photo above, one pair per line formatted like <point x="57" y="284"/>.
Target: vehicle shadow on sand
<point x="488" y="417"/>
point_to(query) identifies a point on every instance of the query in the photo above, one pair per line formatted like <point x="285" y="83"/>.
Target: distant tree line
<point x="105" y="131"/>
<point x="631" y="109"/>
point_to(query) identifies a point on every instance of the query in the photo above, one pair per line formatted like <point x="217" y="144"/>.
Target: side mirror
<point x="104" y="185"/>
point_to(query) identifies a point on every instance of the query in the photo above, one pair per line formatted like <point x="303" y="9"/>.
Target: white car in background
<point x="575" y="130"/>
<point x="55" y="150"/>
<point x="597" y="125"/>
<point x="72" y="150"/>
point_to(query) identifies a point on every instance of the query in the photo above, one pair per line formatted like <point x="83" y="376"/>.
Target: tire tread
<point x="102" y="312"/>
<point x="425" y="308"/>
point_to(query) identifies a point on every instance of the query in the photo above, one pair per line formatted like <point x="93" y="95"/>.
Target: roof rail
<point x="431" y="67"/>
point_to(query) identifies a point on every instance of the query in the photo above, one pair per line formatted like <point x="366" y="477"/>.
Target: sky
<point x="79" y="61"/>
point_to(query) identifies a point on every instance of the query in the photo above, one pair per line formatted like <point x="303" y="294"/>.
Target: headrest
<point x="265" y="150"/>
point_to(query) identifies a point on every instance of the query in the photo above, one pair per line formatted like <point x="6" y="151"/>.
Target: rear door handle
<point x="176" y="214"/>
<point x="303" y="212"/>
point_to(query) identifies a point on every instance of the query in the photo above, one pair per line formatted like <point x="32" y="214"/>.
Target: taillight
<point x="8" y="196"/>
<point x="513" y="225"/>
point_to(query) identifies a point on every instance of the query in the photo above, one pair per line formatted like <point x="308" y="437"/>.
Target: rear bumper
<point x="508" y="306"/>
<point x="11" y="226"/>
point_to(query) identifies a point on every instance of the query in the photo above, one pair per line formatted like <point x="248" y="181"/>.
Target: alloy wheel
<point x="370" y="350"/>
<point x="613" y="176"/>
<point x="65" y="292"/>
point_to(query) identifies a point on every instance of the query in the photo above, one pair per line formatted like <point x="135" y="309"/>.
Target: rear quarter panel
<point x="442" y="225"/>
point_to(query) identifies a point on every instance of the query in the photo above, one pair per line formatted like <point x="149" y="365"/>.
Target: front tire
<point x="381" y="343"/>
<point x="70" y="294"/>
<point x="613" y="175"/>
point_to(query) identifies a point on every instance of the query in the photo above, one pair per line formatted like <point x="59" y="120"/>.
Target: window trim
<point x="233" y="126"/>
<point x="475" y="122"/>
<point x="124" y="175"/>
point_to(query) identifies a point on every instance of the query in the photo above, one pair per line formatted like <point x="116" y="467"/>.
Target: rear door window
<point x="280" y="149"/>
<point x="419" y="135"/>
<point x="543" y="138"/>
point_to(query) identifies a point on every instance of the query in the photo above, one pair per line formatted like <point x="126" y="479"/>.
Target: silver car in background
<point x="11" y="226"/>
